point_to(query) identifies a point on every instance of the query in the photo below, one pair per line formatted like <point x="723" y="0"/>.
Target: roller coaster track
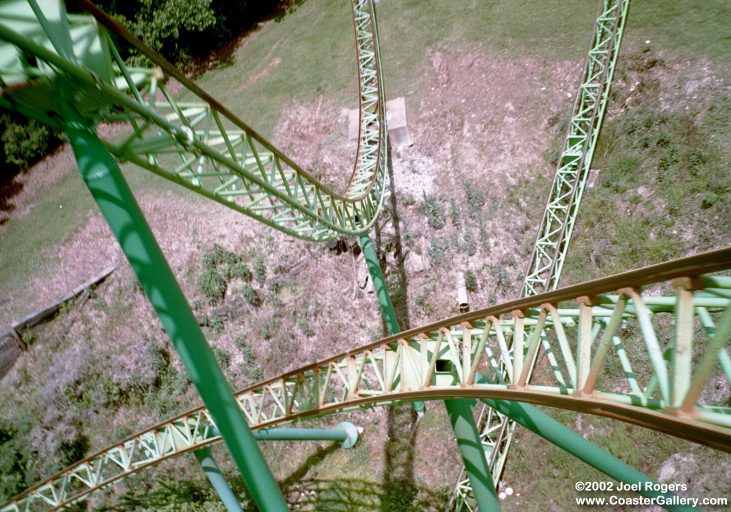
<point x="647" y="337"/>
<point x="664" y="329"/>
<point x="559" y="216"/>
<point x="218" y="155"/>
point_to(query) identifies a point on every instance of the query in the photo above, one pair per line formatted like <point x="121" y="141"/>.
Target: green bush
<point x="251" y="296"/>
<point x="15" y="460"/>
<point x="250" y="367"/>
<point x="212" y="285"/>
<point x="434" y="212"/>
<point x="214" y="323"/>
<point x="709" y="199"/>
<point x="22" y="143"/>
<point x="181" y="29"/>
<point x="470" y="281"/>
<point x="475" y="198"/>
<point x="454" y="213"/>
<point x="260" y="270"/>
<point x="437" y="250"/>
<point x="219" y="267"/>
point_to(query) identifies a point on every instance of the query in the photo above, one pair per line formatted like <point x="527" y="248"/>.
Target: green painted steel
<point x="379" y="285"/>
<point x="553" y="431"/>
<point x="574" y="164"/>
<point x="198" y="144"/>
<point x="204" y="456"/>
<point x="104" y="180"/>
<point x="473" y="455"/>
<point x="440" y="361"/>
<point x="465" y="430"/>
<point x="559" y="217"/>
<point x="346" y="433"/>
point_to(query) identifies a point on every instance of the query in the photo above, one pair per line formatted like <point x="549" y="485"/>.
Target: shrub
<point x="454" y="213"/>
<point x="14" y="460"/>
<point x="25" y="143"/>
<point x="260" y="270"/>
<point x="251" y="296"/>
<point x="241" y="271"/>
<point x="223" y="358"/>
<point x="219" y="267"/>
<point x="212" y="285"/>
<point x="709" y="199"/>
<point x="437" y="250"/>
<point x="475" y="198"/>
<point x="214" y="323"/>
<point x="470" y="281"/>
<point x="250" y="368"/>
<point x="434" y="212"/>
<point x="269" y="328"/>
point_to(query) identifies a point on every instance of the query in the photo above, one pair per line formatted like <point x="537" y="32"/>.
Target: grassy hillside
<point x="488" y="88"/>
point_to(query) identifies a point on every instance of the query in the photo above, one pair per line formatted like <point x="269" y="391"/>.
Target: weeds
<point x="433" y="211"/>
<point x="220" y="266"/>
<point x="437" y="250"/>
<point x="470" y="281"/>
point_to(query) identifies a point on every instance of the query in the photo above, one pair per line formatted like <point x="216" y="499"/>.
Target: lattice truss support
<point x="647" y="347"/>
<point x="554" y="234"/>
<point x="574" y="163"/>
<point x="198" y="144"/>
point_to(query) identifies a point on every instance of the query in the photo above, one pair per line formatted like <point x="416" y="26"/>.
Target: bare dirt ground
<point x="482" y="122"/>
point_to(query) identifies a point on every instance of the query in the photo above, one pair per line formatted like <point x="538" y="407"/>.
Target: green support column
<point x="346" y="433"/>
<point x="120" y="209"/>
<point x="460" y="411"/>
<point x="553" y="431"/>
<point x="473" y="455"/>
<point x="379" y="285"/>
<point x="218" y="481"/>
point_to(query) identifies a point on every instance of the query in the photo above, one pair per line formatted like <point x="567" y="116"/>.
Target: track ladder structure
<point x="198" y="144"/>
<point x="670" y="370"/>
<point x="559" y="216"/>
<point x="678" y="331"/>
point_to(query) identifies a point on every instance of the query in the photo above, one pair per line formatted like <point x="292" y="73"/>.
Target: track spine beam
<point x="431" y="363"/>
<point x="559" y="217"/>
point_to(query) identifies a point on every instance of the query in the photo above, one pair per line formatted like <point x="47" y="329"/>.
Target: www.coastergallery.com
<point x="649" y="501"/>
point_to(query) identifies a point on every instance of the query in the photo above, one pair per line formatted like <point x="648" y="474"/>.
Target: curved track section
<point x="569" y="182"/>
<point x="562" y="208"/>
<point x="198" y="144"/>
<point x="651" y="357"/>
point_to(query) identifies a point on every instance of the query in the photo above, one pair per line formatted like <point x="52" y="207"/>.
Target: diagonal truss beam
<point x="198" y="144"/>
<point x="557" y="223"/>
<point x="640" y="309"/>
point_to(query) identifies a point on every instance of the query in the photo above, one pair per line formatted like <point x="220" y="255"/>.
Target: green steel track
<point x="676" y="316"/>
<point x="562" y="208"/>
<point x="217" y="154"/>
<point x="50" y="61"/>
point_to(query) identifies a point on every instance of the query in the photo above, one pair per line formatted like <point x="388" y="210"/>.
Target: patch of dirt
<point x="261" y="74"/>
<point x="315" y="135"/>
<point x="676" y="84"/>
<point x="28" y="184"/>
<point x="481" y="126"/>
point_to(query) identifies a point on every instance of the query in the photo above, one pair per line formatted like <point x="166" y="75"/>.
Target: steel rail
<point x="221" y="157"/>
<point x="562" y="206"/>
<point x="441" y="361"/>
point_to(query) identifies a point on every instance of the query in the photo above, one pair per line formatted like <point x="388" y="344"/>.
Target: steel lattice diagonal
<point x="198" y="144"/>
<point x="557" y="223"/>
<point x="574" y="163"/>
<point x="646" y="347"/>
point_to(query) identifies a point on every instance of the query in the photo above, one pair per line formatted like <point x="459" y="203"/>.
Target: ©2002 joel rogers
<point x="630" y="487"/>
